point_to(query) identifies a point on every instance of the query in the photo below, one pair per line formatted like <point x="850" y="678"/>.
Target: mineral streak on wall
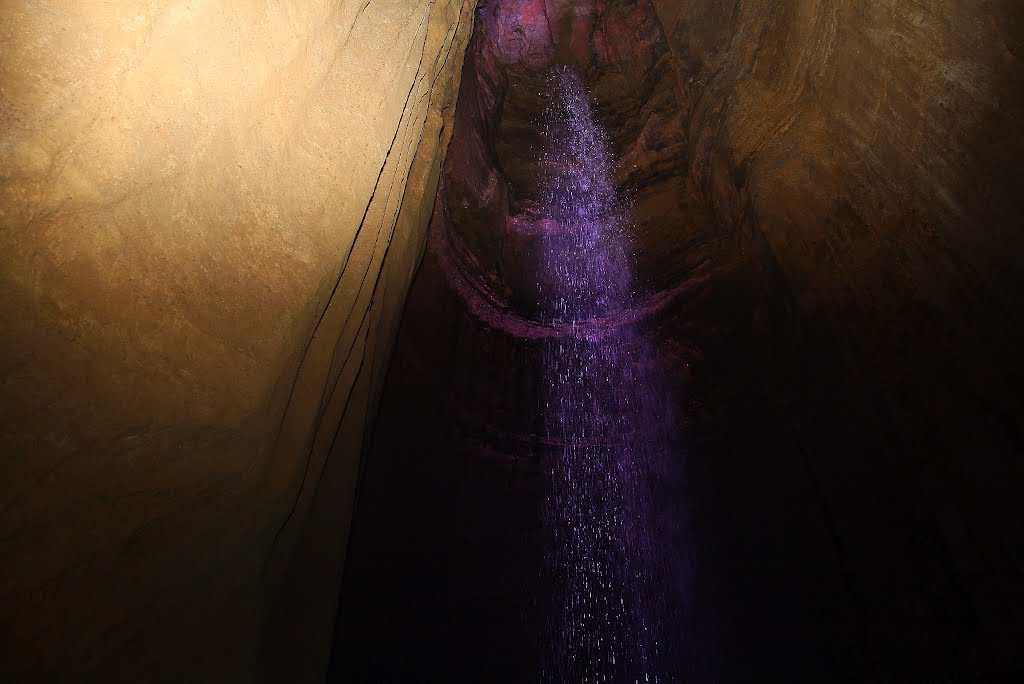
<point x="210" y="213"/>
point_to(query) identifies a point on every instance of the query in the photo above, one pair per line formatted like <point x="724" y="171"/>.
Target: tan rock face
<point x="210" y="216"/>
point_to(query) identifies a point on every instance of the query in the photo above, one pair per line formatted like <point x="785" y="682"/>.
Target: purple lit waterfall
<point x="604" y="412"/>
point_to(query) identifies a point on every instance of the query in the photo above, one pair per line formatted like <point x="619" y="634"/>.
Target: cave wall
<point x="876" y="148"/>
<point x="211" y="213"/>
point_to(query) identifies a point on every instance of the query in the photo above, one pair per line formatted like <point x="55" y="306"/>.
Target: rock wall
<point x="876" y="147"/>
<point x="210" y="214"/>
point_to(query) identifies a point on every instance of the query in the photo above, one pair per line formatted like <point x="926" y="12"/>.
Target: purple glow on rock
<point x="604" y="407"/>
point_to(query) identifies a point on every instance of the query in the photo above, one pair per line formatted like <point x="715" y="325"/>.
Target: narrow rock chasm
<point x="811" y="517"/>
<point x="511" y="341"/>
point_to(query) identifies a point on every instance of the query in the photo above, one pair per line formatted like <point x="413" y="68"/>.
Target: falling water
<point x="604" y="412"/>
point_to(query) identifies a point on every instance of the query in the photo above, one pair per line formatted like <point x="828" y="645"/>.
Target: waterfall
<point x="605" y="415"/>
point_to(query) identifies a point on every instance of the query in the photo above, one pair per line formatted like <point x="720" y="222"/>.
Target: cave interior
<point x="277" y="356"/>
<point x="842" y="497"/>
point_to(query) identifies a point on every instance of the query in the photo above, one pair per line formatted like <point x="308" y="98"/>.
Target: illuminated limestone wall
<point x="210" y="213"/>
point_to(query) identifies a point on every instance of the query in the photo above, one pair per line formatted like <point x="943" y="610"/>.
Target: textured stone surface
<point x="492" y="196"/>
<point x="878" y="144"/>
<point x="210" y="215"/>
<point x="876" y="148"/>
